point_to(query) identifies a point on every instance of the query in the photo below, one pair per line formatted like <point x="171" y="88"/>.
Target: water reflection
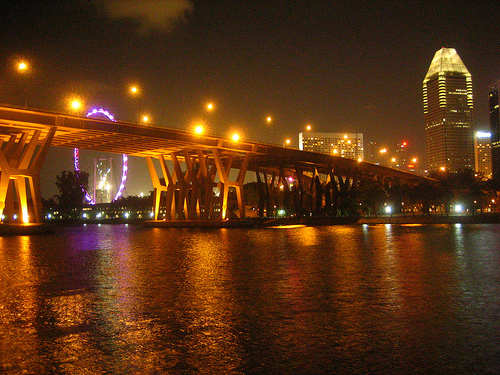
<point x="350" y="299"/>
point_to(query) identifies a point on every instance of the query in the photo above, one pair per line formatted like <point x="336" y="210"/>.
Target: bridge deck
<point x="144" y="141"/>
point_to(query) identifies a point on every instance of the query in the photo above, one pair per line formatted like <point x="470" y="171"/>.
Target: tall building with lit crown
<point x="103" y="173"/>
<point x="482" y="148"/>
<point x="347" y="145"/>
<point x="495" y="130"/>
<point x="448" y="104"/>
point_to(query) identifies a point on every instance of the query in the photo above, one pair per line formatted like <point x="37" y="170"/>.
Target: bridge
<point x="185" y="168"/>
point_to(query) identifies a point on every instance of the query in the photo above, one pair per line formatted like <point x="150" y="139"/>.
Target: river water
<point x="381" y="299"/>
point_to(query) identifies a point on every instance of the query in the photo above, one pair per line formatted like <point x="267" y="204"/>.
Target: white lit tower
<point x="103" y="186"/>
<point x="495" y="129"/>
<point x="448" y="105"/>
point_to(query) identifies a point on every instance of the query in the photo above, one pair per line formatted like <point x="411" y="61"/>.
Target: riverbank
<point x="484" y="218"/>
<point x="250" y="222"/>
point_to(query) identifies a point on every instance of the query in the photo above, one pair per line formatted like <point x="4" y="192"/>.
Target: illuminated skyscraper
<point x="495" y="130"/>
<point x="482" y="147"/>
<point x="346" y="145"/>
<point x="448" y="104"/>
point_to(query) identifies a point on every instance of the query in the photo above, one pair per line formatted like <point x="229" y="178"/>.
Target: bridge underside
<point x="194" y="177"/>
<point x="196" y="184"/>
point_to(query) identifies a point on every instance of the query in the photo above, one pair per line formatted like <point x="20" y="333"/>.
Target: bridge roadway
<point x="25" y="136"/>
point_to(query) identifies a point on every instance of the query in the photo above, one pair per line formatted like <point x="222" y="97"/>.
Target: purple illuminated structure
<point x="76" y="157"/>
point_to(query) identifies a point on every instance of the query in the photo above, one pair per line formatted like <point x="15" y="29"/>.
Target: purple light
<point x="76" y="157"/>
<point x="96" y="111"/>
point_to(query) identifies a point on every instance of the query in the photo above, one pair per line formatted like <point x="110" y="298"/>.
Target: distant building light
<point x="483" y="135"/>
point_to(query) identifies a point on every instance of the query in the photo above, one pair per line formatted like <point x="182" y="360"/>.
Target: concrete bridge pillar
<point x="21" y="159"/>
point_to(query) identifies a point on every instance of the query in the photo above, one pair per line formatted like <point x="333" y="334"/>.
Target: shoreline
<point x="484" y="218"/>
<point x="11" y="229"/>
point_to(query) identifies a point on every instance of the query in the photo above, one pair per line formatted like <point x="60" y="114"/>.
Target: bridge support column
<point x="190" y="194"/>
<point x="161" y="186"/>
<point x="21" y="160"/>
<point x="223" y="172"/>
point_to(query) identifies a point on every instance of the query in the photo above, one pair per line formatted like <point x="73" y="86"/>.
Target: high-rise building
<point x="371" y="152"/>
<point x="103" y="172"/>
<point x="347" y="145"/>
<point x="448" y="104"/>
<point x="402" y="156"/>
<point x="482" y="149"/>
<point x="495" y="130"/>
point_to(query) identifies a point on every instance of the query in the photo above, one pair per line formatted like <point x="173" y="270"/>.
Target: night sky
<point x="341" y="66"/>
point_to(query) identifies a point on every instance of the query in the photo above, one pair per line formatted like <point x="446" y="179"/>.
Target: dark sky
<point x="342" y="66"/>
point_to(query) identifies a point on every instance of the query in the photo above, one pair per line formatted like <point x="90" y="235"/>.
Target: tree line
<point x="439" y="194"/>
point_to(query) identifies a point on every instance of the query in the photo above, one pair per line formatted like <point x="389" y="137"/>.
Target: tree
<point x="71" y="196"/>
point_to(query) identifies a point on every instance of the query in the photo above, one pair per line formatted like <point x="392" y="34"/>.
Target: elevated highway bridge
<point x="184" y="167"/>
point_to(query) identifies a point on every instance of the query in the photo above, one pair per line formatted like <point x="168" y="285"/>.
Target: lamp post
<point x="136" y="92"/>
<point x="23" y="69"/>
<point x="204" y="122"/>
<point x="269" y="119"/>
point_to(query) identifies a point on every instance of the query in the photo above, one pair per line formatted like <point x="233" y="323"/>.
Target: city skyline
<point x="356" y="67"/>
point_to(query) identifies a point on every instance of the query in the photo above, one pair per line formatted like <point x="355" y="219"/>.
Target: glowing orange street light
<point x="287" y="142"/>
<point x="198" y="129"/>
<point x="134" y="90"/>
<point x="22" y="67"/>
<point x="308" y="128"/>
<point x="269" y="119"/>
<point x="235" y="137"/>
<point x="75" y="104"/>
<point x="145" y="119"/>
<point x="210" y="107"/>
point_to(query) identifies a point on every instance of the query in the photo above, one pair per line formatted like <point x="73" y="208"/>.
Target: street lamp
<point x="308" y="128"/>
<point x="269" y="119"/>
<point x="75" y="105"/>
<point x="145" y="119"/>
<point x="22" y="67"/>
<point x="235" y="137"/>
<point x="198" y="129"/>
<point x="134" y="90"/>
<point x="287" y="142"/>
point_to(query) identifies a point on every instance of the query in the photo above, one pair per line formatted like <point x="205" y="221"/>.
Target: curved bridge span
<point x="184" y="167"/>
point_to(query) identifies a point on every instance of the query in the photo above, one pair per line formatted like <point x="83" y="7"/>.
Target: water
<point x="382" y="299"/>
